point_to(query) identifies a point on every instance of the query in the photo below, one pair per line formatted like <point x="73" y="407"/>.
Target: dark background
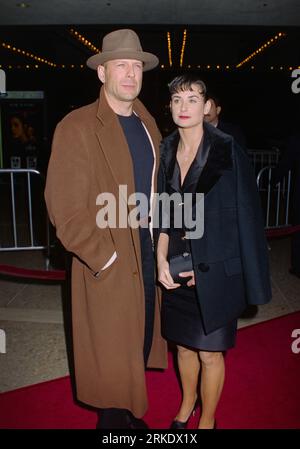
<point x="259" y="99"/>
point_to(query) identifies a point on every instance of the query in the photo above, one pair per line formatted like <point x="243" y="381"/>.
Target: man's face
<point x="188" y="107"/>
<point x="122" y="79"/>
<point x="213" y="114"/>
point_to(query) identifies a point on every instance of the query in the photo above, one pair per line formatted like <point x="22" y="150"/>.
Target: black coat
<point x="231" y="259"/>
<point x="235" y="131"/>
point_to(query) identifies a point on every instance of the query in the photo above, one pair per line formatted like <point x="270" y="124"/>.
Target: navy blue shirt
<point x="141" y="154"/>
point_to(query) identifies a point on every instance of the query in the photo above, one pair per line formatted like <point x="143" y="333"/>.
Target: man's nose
<point x="130" y="71"/>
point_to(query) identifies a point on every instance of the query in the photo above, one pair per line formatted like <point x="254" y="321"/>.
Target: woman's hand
<point x="187" y="274"/>
<point x="164" y="276"/>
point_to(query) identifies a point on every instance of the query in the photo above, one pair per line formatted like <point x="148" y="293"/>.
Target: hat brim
<point x="150" y="61"/>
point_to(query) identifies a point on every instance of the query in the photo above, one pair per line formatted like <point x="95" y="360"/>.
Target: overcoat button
<point x="203" y="267"/>
<point x="135" y="273"/>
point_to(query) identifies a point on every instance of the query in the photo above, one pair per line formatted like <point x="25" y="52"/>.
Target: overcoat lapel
<point x="219" y="159"/>
<point x="114" y="146"/>
<point x="218" y="147"/>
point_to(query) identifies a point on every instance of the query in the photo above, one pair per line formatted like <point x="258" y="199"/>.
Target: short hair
<point x="214" y="98"/>
<point x="184" y="82"/>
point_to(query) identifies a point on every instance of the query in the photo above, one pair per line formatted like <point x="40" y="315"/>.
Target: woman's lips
<point x="183" y="116"/>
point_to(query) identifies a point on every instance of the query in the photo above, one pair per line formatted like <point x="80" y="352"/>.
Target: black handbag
<point x="179" y="264"/>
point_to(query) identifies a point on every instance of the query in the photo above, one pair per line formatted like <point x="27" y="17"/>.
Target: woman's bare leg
<point x="189" y="366"/>
<point x="212" y="381"/>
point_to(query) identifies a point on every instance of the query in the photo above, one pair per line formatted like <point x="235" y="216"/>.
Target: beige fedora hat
<point x="122" y="44"/>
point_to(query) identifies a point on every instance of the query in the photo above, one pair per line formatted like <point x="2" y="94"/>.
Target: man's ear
<point x="101" y="73"/>
<point x="219" y="109"/>
<point x="207" y="107"/>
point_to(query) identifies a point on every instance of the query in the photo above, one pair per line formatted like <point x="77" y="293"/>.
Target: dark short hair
<point x="184" y="82"/>
<point x="214" y="98"/>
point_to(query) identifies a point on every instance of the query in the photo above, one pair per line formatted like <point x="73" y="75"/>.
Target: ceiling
<point x="206" y="12"/>
<point x="219" y="32"/>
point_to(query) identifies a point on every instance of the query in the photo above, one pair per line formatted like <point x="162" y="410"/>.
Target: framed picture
<point x="22" y="133"/>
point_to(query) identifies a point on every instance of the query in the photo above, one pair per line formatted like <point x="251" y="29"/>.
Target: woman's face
<point x="17" y="128"/>
<point x="188" y="107"/>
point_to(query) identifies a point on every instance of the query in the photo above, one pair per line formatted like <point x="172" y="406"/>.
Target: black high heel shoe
<point x="176" y="424"/>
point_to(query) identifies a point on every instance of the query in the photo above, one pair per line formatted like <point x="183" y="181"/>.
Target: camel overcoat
<point x="90" y="156"/>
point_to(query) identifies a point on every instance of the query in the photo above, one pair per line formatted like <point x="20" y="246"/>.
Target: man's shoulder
<point x="80" y="116"/>
<point x="217" y="133"/>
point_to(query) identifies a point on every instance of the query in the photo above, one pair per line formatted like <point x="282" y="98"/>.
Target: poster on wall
<point x="22" y="129"/>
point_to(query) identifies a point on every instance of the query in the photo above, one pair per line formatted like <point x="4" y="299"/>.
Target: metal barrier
<point x="275" y="199"/>
<point x="275" y="203"/>
<point x="263" y="158"/>
<point x="23" y="211"/>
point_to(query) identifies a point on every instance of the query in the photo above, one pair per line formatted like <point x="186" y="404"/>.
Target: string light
<point x="227" y="67"/>
<point x="183" y="48"/>
<point x="84" y="41"/>
<point x="262" y="48"/>
<point x="27" y="54"/>
<point x="169" y="48"/>
<point x="36" y="66"/>
<point x="208" y="67"/>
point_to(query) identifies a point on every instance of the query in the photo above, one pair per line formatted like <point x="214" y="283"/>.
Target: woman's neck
<point x="190" y="138"/>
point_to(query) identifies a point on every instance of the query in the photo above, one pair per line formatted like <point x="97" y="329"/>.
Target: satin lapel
<point x="219" y="159"/>
<point x="198" y="163"/>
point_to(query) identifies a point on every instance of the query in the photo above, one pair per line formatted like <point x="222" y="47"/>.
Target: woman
<point x="229" y="262"/>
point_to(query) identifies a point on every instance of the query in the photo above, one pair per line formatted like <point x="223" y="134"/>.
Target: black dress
<point x="181" y="314"/>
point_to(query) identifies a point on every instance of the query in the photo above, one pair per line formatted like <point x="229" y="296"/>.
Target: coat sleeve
<point x="253" y="245"/>
<point x="67" y="197"/>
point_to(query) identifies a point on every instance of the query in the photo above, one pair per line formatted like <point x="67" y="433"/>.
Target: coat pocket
<point x="101" y="274"/>
<point x="233" y="266"/>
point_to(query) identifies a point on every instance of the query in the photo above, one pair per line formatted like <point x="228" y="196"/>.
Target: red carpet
<point x="261" y="389"/>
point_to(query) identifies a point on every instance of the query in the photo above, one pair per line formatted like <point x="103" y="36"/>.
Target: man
<point x="213" y="118"/>
<point x="115" y="310"/>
